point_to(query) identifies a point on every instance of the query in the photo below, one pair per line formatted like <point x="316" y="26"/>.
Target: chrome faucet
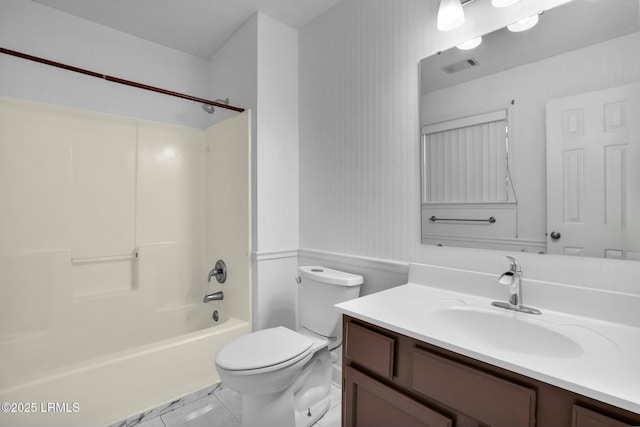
<point x="216" y="296"/>
<point x="513" y="278"/>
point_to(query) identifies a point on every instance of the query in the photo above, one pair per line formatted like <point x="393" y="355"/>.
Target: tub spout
<point x="216" y="296"/>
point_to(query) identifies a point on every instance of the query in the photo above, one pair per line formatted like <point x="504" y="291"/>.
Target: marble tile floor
<point x="214" y="407"/>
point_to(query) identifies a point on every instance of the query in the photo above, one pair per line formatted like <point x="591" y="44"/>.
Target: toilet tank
<point x="320" y="289"/>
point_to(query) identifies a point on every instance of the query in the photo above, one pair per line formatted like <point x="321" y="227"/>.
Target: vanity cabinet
<point x="393" y="380"/>
<point x="374" y="404"/>
<point x="583" y="417"/>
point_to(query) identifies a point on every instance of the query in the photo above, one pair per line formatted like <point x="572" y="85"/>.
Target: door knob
<point x="555" y="235"/>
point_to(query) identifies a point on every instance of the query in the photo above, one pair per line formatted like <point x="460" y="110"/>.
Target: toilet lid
<point x="264" y="348"/>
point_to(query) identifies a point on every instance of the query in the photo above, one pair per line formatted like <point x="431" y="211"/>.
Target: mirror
<point x="531" y="141"/>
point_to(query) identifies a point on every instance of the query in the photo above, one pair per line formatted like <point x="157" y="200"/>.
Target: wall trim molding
<point x="268" y="255"/>
<point x="401" y="267"/>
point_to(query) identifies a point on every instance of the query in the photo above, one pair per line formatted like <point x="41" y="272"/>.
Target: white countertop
<point x="605" y="366"/>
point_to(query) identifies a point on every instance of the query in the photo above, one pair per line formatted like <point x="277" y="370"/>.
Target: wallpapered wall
<point x="359" y="133"/>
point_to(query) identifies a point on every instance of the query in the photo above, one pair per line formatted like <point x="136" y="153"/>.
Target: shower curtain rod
<point x="117" y="79"/>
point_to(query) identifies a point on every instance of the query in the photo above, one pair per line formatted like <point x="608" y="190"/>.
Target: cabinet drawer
<point x="370" y="349"/>
<point x="372" y="404"/>
<point x="484" y="397"/>
<point x="583" y="417"/>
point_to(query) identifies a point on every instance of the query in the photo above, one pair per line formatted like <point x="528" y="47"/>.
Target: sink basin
<point x="509" y="331"/>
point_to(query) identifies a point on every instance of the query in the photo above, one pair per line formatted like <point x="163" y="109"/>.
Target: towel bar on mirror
<point x="491" y="220"/>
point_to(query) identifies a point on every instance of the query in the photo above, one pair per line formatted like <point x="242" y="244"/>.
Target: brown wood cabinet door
<point x="583" y="417"/>
<point x="369" y="403"/>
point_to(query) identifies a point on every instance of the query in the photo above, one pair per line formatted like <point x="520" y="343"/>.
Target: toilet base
<point x="266" y="411"/>
<point x="305" y="400"/>
<point x="311" y="415"/>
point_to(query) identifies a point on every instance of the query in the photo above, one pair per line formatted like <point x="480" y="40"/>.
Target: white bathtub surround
<point x="109" y="228"/>
<point x="579" y="331"/>
<point x="228" y="213"/>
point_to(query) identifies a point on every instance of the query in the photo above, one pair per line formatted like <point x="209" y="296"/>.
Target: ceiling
<point x="198" y="27"/>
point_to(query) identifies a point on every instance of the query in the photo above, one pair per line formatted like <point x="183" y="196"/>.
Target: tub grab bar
<point x="107" y="258"/>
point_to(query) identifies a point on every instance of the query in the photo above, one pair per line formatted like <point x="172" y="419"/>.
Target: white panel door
<point x="593" y="173"/>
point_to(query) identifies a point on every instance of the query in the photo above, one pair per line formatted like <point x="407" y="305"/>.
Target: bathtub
<point x="48" y="380"/>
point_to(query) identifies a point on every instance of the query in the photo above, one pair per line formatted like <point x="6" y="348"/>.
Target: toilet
<point x="284" y="376"/>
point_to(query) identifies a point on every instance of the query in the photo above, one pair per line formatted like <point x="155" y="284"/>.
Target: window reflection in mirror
<point x="569" y="89"/>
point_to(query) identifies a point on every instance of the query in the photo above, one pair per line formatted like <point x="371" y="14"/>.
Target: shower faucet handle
<point x="219" y="271"/>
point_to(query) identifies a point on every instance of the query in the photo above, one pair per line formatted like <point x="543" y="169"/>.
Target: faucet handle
<point x="506" y="278"/>
<point x="515" y="265"/>
<point x="219" y="272"/>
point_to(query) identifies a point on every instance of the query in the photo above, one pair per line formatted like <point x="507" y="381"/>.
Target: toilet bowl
<point x="284" y="376"/>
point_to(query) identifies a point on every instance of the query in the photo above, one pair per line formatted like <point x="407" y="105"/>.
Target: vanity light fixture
<point x="503" y="3"/>
<point x="470" y="44"/>
<point x="450" y="15"/>
<point x="524" y="24"/>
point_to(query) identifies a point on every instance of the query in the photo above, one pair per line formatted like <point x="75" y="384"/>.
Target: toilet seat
<point x="263" y="351"/>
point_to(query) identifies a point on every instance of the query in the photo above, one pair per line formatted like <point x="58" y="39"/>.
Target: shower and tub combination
<point x="109" y="227"/>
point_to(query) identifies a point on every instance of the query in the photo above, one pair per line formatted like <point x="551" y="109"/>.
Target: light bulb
<point x="470" y="44"/>
<point x="524" y="24"/>
<point x="450" y="15"/>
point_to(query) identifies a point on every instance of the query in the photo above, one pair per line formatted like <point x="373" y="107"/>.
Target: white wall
<point x="275" y="249"/>
<point x="232" y="72"/>
<point x="277" y="147"/>
<point x="258" y="69"/>
<point x="359" y="134"/>
<point x="358" y="90"/>
<point x="42" y="31"/>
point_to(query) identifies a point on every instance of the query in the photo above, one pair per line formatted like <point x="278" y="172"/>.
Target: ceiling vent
<point x="459" y="66"/>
